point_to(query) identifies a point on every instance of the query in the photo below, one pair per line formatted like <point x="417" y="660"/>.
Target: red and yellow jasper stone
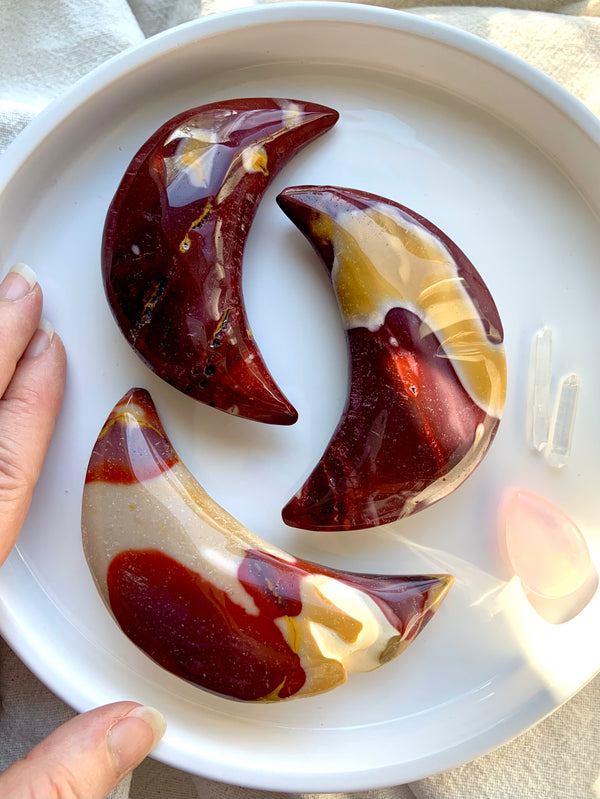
<point x="428" y="369"/>
<point x="212" y="602"/>
<point x="174" y="241"/>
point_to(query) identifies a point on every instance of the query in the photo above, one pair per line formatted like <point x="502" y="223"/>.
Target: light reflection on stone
<point x="428" y="368"/>
<point x="212" y="602"/>
<point x="549" y="555"/>
<point x="174" y="240"/>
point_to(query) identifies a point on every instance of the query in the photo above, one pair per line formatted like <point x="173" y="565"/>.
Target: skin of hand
<point x="90" y="754"/>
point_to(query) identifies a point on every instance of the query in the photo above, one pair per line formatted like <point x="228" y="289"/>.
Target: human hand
<point x="32" y="378"/>
<point x="90" y="754"/>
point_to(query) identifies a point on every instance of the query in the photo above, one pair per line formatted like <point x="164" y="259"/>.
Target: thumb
<point x="86" y="757"/>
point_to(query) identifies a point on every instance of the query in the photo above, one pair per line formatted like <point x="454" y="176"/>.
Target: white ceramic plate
<point x="497" y="156"/>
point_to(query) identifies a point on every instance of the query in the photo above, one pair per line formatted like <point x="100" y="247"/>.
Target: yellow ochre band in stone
<point x="383" y="261"/>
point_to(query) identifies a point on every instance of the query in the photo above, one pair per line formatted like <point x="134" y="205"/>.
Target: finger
<point x="20" y="311"/>
<point x="28" y="411"/>
<point x="86" y="757"/>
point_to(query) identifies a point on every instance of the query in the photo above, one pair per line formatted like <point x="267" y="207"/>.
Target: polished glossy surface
<point x="507" y="667"/>
<point x="174" y="241"/>
<point x="562" y="426"/>
<point x="538" y="389"/>
<point x="428" y="370"/>
<point x="215" y="604"/>
<point x="546" y="549"/>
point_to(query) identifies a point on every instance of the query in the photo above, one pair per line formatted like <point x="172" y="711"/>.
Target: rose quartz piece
<point x="546" y="549"/>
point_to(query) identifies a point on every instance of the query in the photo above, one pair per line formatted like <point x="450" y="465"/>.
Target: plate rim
<point x="102" y="76"/>
<point x="114" y="67"/>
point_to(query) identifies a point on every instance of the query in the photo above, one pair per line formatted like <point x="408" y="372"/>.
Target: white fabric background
<point x="46" y="45"/>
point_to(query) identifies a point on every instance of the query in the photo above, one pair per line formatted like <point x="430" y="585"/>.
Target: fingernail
<point x="18" y="282"/>
<point x="40" y="341"/>
<point x="134" y="736"/>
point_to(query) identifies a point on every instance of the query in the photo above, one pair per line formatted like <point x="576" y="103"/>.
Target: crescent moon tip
<point x="294" y="197"/>
<point x="294" y="515"/>
<point x="287" y="415"/>
<point x="446" y="581"/>
<point x="320" y="514"/>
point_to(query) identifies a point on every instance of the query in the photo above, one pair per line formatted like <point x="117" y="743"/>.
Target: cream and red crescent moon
<point x="174" y="240"/>
<point x="428" y="369"/>
<point x="213" y="603"/>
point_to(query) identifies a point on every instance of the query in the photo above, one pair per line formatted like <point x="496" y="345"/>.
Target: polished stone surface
<point x="212" y="602"/>
<point x="545" y="547"/>
<point x="174" y="241"/>
<point x="428" y="369"/>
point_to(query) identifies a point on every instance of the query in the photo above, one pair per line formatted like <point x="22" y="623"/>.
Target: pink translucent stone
<point x="546" y="549"/>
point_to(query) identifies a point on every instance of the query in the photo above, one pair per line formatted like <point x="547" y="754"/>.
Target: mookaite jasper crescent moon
<point x="174" y="240"/>
<point x="213" y="603"/>
<point x="427" y="372"/>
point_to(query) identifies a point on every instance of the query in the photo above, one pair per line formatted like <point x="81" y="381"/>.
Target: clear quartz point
<point x="558" y="450"/>
<point x="540" y="373"/>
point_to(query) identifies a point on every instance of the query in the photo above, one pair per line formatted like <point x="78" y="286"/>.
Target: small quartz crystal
<point x="558" y="449"/>
<point x="540" y="372"/>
